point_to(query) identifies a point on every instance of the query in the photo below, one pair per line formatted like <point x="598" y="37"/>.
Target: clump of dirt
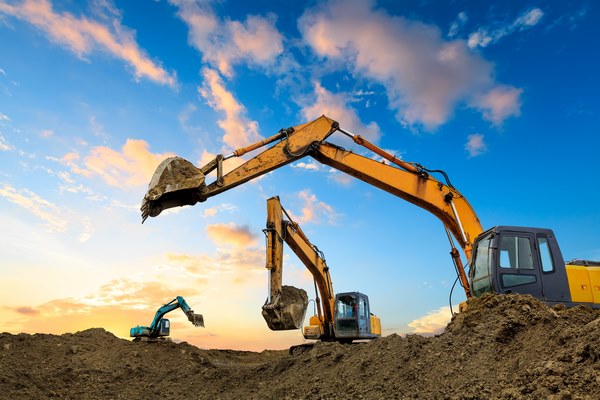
<point x="287" y="309"/>
<point x="502" y="347"/>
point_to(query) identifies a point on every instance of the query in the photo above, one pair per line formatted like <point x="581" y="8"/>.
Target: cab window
<point x="515" y="252"/>
<point x="346" y="307"/>
<point x="545" y="254"/>
<point x="481" y="279"/>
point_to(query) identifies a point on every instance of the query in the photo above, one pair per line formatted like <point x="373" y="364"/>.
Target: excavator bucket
<point x="176" y="182"/>
<point x="286" y="310"/>
<point x="196" y="319"/>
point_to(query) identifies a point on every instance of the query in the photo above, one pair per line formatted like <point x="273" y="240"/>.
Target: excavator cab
<point x="353" y="319"/>
<point x="511" y="259"/>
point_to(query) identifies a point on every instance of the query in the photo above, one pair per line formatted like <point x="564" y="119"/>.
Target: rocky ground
<point x="503" y="347"/>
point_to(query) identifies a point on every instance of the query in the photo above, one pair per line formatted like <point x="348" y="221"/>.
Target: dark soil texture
<point x="502" y="347"/>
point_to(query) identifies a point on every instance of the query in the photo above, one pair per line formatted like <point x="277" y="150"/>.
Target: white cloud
<point x="433" y="323"/>
<point x="425" y="76"/>
<point x="529" y="18"/>
<point x="310" y="166"/>
<point x="4" y="117"/>
<point x="336" y="106"/>
<point x="83" y="35"/>
<point x="485" y="36"/>
<point x="475" y="145"/>
<point x="224" y="43"/>
<point x="239" y="130"/>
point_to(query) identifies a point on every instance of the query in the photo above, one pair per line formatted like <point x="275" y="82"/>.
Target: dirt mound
<point x="503" y="347"/>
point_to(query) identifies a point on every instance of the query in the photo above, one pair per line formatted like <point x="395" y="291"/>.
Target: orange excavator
<point x="341" y="317"/>
<point x="502" y="259"/>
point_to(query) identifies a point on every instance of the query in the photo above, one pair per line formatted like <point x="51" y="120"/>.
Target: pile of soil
<point x="502" y="347"/>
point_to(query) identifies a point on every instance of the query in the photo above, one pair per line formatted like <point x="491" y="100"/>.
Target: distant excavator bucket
<point x="286" y="310"/>
<point x="176" y="182"/>
<point x="196" y="319"/>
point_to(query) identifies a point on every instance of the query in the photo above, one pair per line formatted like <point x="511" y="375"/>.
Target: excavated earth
<point x="503" y="347"/>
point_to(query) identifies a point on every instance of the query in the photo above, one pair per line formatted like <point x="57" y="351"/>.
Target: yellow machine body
<point x="584" y="283"/>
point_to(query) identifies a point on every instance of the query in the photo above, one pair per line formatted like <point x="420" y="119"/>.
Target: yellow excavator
<point x="341" y="317"/>
<point x="503" y="259"/>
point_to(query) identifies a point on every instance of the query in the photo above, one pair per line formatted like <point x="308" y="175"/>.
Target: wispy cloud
<point x="224" y="207"/>
<point x="41" y="208"/>
<point x="184" y="118"/>
<point x="83" y="35"/>
<point x="457" y="24"/>
<point x="133" y="165"/>
<point x="225" y="42"/>
<point x="571" y="18"/>
<point x="4" y="145"/>
<point x="425" y="76"/>
<point x="485" y="36"/>
<point x="475" y="145"/>
<point x="25" y="310"/>
<point x="239" y="130"/>
<point x="340" y="178"/>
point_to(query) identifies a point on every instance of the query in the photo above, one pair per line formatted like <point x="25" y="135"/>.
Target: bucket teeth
<point x="196" y="319"/>
<point x="176" y="182"/>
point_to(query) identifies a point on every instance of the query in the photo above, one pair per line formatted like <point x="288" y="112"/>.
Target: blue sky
<point x="93" y="95"/>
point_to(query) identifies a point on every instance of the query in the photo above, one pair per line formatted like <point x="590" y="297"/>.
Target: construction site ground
<point x="503" y="347"/>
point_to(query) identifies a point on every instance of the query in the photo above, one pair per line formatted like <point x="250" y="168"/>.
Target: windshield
<point x="346" y="306"/>
<point x="481" y="279"/>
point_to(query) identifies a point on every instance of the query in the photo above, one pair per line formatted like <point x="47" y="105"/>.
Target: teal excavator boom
<point x="161" y="327"/>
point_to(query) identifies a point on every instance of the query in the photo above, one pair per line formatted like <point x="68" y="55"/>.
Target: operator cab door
<point x="364" y="320"/>
<point x="517" y="262"/>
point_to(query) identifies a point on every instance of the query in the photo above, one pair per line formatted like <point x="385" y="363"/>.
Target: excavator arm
<point x="178" y="302"/>
<point x="286" y="305"/>
<point x="177" y="182"/>
<point x="153" y="330"/>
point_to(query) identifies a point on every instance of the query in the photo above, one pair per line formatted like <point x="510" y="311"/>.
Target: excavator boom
<point x="287" y="306"/>
<point x="177" y="182"/>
